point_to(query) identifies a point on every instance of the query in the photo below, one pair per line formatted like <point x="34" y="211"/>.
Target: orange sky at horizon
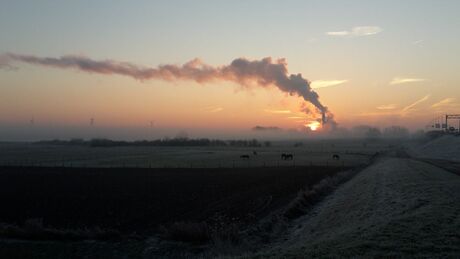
<point x="71" y="98"/>
<point x="379" y="63"/>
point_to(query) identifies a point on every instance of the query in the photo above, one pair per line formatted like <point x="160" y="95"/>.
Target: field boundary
<point x="274" y="226"/>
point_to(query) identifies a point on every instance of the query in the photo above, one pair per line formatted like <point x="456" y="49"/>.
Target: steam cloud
<point x="245" y="72"/>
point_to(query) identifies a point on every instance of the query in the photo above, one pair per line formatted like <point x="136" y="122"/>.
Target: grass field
<point x="174" y="200"/>
<point x="319" y="152"/>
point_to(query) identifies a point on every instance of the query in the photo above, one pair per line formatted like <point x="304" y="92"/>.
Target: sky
<point x="378" y="63"/>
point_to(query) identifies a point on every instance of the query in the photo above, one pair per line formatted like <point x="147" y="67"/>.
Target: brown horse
<point x="287" y="156"/>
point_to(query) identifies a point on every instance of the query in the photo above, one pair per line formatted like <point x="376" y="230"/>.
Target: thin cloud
<point x="386" y="107"/>
<point x="417" y="42"/>
<point x="373" y="114"/>
<point x="326" y="83"/>
<point x="357" y="31"/>
<point x="404" y="80"/>
<point x="412" y="106"/>
<point x="278" y="111"/>
<point x="338" y="33"/>
<point x="213" y="109"/>
<point x="295" y="117"/>
<point x="5" y="63"/>
<point x="445" y="103"/>
<point x="365" y="30"/>
<point x="393" y="112"/>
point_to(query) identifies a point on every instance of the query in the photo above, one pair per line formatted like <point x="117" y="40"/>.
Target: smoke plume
<point x="264" y="72"/>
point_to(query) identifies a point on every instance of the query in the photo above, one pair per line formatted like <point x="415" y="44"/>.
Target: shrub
<point x="307" y="198"/>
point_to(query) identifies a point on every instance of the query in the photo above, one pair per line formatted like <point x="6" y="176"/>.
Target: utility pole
<point x="152" y="125"/>
<point x="447" y="127"/>
<point x="453" y="117"/>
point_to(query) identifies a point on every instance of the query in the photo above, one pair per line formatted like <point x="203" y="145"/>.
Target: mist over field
<point x="27" y="133"/>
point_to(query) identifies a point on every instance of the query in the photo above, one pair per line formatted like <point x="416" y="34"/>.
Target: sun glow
<point x="313" y="125"/>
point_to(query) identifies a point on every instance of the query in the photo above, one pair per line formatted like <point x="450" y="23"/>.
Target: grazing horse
<point x="335" y="157"/>
<point x="287" y="156"/>
<point x="244" y="156"/>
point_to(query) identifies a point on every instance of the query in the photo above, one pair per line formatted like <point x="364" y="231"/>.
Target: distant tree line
<point x="370" y="132"/>
<point x="174" y="142"/>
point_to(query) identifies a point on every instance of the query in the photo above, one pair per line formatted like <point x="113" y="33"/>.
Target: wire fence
<point x="236" y="163"/>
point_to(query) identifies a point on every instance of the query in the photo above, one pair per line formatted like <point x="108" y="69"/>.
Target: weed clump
<point x="308" y="197"/>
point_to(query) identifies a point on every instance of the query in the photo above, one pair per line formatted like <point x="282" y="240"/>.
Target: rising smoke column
<point x="245" y="72"/>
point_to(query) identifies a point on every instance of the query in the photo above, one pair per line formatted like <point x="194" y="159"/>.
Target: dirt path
<point x="396" y="207"/>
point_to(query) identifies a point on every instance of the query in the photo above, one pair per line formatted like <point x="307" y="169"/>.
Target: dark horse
<point x="335" y="157"/>
<point x="287" y="156"/>
<point x="244" y="156"/>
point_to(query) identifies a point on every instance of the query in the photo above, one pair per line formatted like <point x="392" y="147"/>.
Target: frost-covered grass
<point x="395" y="208"/>
<point x="318" y="152"/>
<point x="444" y="147"/>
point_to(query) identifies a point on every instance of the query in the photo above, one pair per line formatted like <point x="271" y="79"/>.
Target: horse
<point x="244" y="156"/>
<point x="335" y="157"/>
<point x="254" y="153"/>
<point x="287" y="156"/>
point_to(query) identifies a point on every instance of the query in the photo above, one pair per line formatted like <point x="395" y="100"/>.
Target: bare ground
<point x="396" y="207"/>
